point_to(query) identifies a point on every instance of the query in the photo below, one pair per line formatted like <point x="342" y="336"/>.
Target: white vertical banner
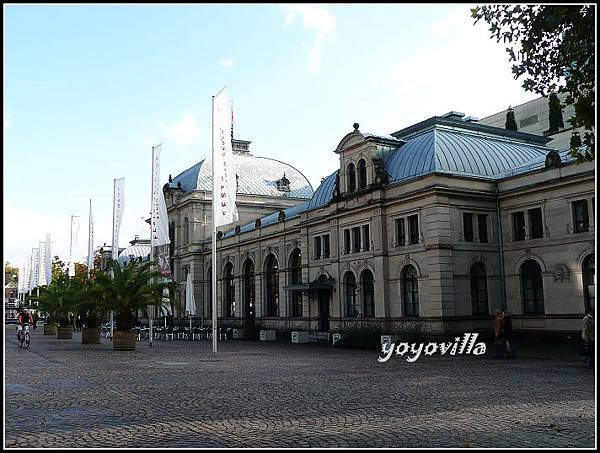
<point x="27" y="274"/>
<point x="35" y="259"/>
<point x="159" y="218"/>
<point x="48" y="258"/>
<point x="90" y="260"/>
<point x="73" y="246"/>
<point x="42" y="266"/>
<point x="22" y="278"/>
<point x="118" y="208"/>
<point x="224" y="181"/>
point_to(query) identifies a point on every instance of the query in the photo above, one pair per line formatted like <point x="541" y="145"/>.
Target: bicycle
<point x="23" y="337"/>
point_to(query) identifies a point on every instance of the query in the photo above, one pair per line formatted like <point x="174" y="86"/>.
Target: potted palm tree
<point x="90" y="305"/>
<point x="128" y="291"/>
<point x="58" y="300"/>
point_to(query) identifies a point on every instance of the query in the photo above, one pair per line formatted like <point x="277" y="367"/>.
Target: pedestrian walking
<point x="35" y="318"/>
<point x="587" y="337"/>
<point x="498" y="333"/>
<point x="509" y="342"/>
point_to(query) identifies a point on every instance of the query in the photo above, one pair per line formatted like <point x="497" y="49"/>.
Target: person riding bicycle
<point x="23" y="318"/>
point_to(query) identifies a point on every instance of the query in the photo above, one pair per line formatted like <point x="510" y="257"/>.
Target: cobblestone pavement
<point x="252" y="394"/>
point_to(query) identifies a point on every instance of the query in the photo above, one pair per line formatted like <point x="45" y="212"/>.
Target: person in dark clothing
<point x="509" y="343"/>
<point x="498" y="333"/>
<point x="35" y="318"/>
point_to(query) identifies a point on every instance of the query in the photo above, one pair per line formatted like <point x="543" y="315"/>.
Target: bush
<point x="361" y="336"/>
<point x="410" y="332"/>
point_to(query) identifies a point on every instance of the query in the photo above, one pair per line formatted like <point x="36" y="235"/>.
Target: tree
<point x="11" y="273"/>
<point x="58" y="268"/>
<point x="511" y="122"/>
<point x="130" y="289"/>
<point x="554" y="47"/>
<point x="555" y="114"/>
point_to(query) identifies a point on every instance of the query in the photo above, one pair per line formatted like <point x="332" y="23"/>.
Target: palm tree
<point x="130" y="289"/>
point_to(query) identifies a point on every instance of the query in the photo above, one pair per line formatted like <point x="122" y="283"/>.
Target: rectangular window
<point x="482" y="227"/>
<point x="356" y="239"/>
<point x="317" y="247"/>
<point x="536" y="228"/>
<point x="400" y="232"/>
<point x="326" y="246"/>
<point x="519" y="225"/>
<point x="580" y="216"/>
<point x="366" y="238"/>
<point x="413" y="229"/>
<point x="346" y="241"/>
<point x="468" y="226"/>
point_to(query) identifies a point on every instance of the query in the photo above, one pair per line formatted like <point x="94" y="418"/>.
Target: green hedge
<point x="368" y="336"/>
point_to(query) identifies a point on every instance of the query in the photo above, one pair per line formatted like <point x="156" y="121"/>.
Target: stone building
<point x="441" y="222"/>
<point x="534" y="117"/>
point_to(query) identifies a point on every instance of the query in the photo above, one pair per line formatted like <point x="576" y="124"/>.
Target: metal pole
<point x="501" y="246"/>
<point x="150" y="317"/>
<point x="214" y="240"/>
<point x="112" y="251"/>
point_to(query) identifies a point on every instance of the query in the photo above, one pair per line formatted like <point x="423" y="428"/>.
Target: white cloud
<point x="184" y="131"/>
<point x="458" y="68"/>
<point x="317" y="20"/>
<point x="226" y="62"/>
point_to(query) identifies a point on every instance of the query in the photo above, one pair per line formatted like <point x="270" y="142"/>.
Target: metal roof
<point x="441" y="150"/>
<point x="257" y="176"/>
<point x="324" y="192"/>
<point x="134" y="251"/>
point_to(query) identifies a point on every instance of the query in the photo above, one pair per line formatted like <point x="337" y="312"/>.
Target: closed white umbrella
<point x="190" y="304"/>
<point x="166" y="303"/>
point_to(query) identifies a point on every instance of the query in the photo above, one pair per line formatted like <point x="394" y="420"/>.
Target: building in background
<point x="533" y="117"/>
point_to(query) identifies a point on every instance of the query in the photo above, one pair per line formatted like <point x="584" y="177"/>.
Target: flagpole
<point x="70" y="250"/>
<point x="90" y="240"/>
<point x="214" y="239"/>
<point x="112" y="252"/>
<point x="150" y="317"/>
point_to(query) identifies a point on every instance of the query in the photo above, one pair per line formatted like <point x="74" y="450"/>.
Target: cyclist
<point x="23" y="318"/>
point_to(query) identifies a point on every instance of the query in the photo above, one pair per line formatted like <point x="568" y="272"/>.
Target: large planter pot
<point x="49" y="329"/>
<point x="64" y="333"/>
<point x="90" y="335"/>
<point x="124" y="340"/>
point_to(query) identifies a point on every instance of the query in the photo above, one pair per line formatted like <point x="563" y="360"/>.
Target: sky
<point x="89" y="89"/>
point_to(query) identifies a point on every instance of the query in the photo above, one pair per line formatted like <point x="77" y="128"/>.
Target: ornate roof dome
<point x="256" y="176"/>
<point x="134" y="251"/>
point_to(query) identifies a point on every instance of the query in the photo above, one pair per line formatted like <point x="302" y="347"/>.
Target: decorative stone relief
<point x="560" y="272"/>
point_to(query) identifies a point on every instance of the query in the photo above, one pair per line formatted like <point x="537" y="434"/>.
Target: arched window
<point x="296" y="279"/>
<point x="411" y="291"/>
<point x="362" y="174"/>
<point x="272" y="286"/>
<point x="250" y="307"/>
<point x="532" y="287"/>
<point x="209" y="290"/>
<point x="479" y="299"/>
<point x="186" y="231"/>
<point x="229" y="291"/>
<point x="368" y="293"/>
<point x="350" y="286"/>
<point x="589" y="281"/>
<point x="351" y="178"/>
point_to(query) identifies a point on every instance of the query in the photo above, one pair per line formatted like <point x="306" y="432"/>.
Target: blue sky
<point x="89" y="89"/>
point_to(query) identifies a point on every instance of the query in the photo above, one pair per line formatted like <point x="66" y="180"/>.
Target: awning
<point x="325" y="285"/>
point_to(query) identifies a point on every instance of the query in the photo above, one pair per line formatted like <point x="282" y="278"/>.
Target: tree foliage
<point x="555" y="117"/>
<point x="11" y="273"/>
<point x="553" y="46"/>
<point x="130" y="289"/>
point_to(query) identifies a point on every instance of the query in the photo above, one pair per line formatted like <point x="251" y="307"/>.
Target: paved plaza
<point x="60" y="393"/>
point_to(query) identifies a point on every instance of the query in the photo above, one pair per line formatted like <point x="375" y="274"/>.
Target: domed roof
<point x="134" y="251"/>
<point x="442" y="150"/>
<point x="256" y="176"/>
